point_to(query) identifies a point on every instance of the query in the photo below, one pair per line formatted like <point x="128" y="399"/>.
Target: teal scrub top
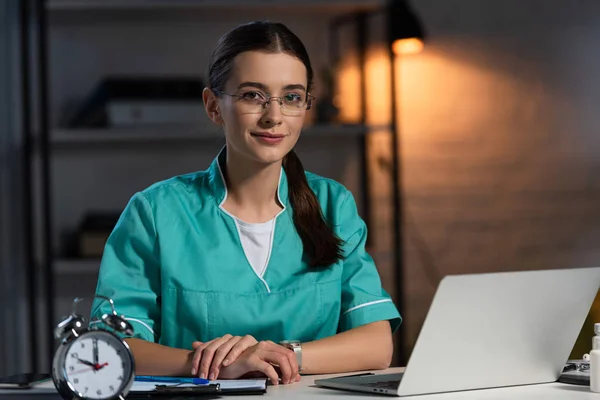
<point x="175" y="267"/>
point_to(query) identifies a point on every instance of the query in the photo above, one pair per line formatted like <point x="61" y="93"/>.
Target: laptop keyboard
<point x="383" y="384"/>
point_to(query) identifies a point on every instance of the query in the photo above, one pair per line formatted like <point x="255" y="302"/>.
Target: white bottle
<point x="595" y="361"/>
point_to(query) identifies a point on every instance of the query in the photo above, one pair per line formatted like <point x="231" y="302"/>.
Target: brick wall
<point x="500" y="142"/>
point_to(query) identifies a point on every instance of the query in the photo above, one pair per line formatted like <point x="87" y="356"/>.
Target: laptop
<point x="491" y="330"/>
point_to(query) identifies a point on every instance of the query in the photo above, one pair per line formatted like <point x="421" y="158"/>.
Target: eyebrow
<point x="264" y="87"/>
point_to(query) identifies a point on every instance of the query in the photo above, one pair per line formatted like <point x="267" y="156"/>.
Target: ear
<point x="211" y="106"/>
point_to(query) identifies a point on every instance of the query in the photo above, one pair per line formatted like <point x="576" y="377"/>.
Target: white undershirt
<point x="257" y="239"/>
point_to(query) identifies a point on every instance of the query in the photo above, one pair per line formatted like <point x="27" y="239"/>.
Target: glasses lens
<point x="292" y="108"/>
<point x="249" y="107"/>
<point x="255" y="103"/>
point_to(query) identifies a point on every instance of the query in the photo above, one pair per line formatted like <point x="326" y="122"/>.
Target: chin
<point x="270" y="157"/>
<point x="270" y="154"/>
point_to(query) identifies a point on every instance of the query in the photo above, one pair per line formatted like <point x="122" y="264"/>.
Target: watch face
<point x="98" y="365"/>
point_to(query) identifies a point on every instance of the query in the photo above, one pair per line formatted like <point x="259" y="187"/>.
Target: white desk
<point x="306" y="390"/>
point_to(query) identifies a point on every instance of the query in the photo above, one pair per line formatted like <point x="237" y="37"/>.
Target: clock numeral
<point x="83" y="345"/>
<point x="118" y="352"/>
<point x="71" y="368"/>
<point x="111" y="388"/>
<point x="120" y="378"/>
<point x="74" y="355"/>
<point x="85" y="389"/>
<point x="75" y="381"/>
<point x="99" y="392"/>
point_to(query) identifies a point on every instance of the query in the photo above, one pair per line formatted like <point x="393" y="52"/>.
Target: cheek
<point x="239" y="123"/>
<point x="295" y="125"/>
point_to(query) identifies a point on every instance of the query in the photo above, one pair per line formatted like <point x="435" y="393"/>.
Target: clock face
<point x="97" y="365"/>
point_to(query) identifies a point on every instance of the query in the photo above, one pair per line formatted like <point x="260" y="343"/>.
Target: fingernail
<point x="203" y="375"/>
<point x="193" y="371"/>
<point x="226" y="362"/>
<point x="211" y="376"/>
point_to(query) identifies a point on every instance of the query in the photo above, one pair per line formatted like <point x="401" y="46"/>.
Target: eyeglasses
<point x="256" y="102"/>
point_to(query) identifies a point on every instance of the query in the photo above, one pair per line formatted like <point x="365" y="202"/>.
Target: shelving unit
<point x="76" y="266"/>
<point x="180" y="133"/>
<point x="311" y="5"/>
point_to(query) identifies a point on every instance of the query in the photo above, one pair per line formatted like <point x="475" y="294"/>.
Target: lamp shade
<point x="406" y="34"/>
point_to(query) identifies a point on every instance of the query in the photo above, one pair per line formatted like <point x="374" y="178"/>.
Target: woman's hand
<point x="210" y="356"/>
<point x="264" y="358"/>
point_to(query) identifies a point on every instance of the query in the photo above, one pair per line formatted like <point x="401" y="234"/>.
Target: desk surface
<point x="306" y="390"/>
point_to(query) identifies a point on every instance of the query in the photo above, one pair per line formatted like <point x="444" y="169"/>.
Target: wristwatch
<point x="296" y="347"/>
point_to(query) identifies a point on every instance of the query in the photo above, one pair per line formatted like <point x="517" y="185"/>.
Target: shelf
<point x="76" y="266"/>
<point x="178" y="133"/>
<point x="171" y="133"/>
<point x="316" y="5"/>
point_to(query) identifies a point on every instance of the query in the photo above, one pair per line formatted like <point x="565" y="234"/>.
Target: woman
<point x="218" y="268"/>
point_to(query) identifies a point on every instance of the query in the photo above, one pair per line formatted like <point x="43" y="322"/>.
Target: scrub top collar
<point x="219" y="188"/>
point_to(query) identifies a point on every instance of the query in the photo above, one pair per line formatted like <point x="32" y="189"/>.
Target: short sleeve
<point x="130" y="271"/>
<point x="363" y="298"/>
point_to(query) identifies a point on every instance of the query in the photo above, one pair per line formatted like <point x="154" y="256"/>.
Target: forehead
<point x="275" y="70"/>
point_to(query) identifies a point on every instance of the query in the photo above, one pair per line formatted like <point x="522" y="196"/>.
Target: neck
<point x="252" y="187"/>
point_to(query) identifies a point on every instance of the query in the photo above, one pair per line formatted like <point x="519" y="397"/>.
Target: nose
<point x="272" y="112"/>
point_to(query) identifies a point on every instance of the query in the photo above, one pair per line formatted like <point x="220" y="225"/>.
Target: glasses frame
<point x="309" y="100"/>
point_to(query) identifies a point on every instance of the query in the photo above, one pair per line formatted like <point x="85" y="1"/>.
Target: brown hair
<point x="321" y="245"/>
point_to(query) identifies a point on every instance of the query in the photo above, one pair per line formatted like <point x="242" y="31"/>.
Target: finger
<point x="220" y="354"/>
<point x="197" y="357"/>
<point x="196" y="344"/>
<point x="238" y="348"/>
<point x="294" y="378"/>
<point x="208" y="354"/>
<point x="286" y="370"/>
<point x="281" y="361"/>
<point x="198" y="354"/>
<point x="293" y="363"/>
<point x="267" y="369"/>
<point x="291" y="357"/>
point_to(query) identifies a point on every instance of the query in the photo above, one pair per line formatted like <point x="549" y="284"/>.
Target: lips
<point x="267" y="135"/>
<point x="269" y="139"/>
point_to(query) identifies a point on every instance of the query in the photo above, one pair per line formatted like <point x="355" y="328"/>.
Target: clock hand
<point x="86" y="362"/>
<point x="79" y="371"/>
<point x="98" y="367"/>
<point x="95" y="346"/>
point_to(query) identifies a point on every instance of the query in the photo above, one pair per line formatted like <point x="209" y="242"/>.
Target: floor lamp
<point x="405" y="36"/>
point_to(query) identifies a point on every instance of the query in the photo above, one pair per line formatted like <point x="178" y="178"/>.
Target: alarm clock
<point x="92" y="362"/>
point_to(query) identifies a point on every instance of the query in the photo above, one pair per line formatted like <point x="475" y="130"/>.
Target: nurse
<point x="252" y="266"/>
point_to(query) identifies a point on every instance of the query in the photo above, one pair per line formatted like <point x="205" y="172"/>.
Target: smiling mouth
<point x="267" y="135"/>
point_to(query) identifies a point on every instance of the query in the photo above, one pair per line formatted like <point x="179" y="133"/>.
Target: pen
<point x="170" y="379"/>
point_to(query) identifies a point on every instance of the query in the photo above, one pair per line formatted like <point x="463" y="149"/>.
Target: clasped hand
<point x="232" y="357"/>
